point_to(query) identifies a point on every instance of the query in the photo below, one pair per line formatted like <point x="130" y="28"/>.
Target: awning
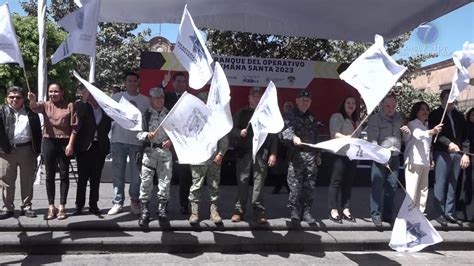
<point x="355" y="20"/>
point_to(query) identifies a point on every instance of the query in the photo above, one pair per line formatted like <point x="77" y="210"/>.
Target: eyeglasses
<point x="15" y="97"/>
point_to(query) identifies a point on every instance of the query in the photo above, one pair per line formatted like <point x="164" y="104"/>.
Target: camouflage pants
<point x="212" y="172"/>
<point x="156" y="161"/>
<point x="244" y="168"/>
<point x="302" y="172"/>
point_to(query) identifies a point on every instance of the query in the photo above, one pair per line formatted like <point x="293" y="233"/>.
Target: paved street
<point x="293" y="259"/>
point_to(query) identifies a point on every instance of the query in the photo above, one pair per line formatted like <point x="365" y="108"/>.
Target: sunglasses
<point x="15" y="97"/>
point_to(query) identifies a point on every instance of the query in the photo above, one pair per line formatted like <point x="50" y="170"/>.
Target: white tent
<point x="356" y="20"/>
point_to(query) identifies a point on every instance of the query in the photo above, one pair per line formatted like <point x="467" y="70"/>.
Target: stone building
<point x="436" y="77"/>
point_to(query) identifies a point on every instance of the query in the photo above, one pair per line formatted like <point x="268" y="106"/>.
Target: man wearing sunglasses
<point x="20" y="144"/>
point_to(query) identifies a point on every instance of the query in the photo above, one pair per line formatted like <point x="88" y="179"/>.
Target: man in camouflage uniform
<point x="212" y="170"/>
<point x="156" y="157"/>
<point x="245" y="166"/>
<point x="301" y="127"/>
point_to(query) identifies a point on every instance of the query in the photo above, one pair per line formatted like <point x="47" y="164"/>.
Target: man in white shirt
<point x="125" y="144"/>
<point x="20" y="144"/>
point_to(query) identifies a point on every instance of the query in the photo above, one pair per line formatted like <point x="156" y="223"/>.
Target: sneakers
<point x="135" y="207"/>
<point x="117" y="208"/>
<point x="28" y="212"/>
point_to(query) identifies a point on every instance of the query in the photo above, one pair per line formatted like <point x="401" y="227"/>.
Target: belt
<point x="21" y="144"/>
<point x="156" y="145"/>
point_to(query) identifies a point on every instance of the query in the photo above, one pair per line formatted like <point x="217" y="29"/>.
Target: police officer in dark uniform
<point x="301" y="127"/>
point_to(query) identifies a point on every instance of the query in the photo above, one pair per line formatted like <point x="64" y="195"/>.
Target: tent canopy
<point x="350" y="20"/>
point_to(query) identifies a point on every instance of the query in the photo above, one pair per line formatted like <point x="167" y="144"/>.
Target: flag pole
<point x="26" y="79"/>
<point x="400" y="184"/>
<point x="442" y="118"/>
<point x="360" y="125"/>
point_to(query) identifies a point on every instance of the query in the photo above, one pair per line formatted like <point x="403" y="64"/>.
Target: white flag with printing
<point x="9" y="49"/>
<point x="219" y="101"/>
<point x="462" y="60"/>
<point x="189" y="127"/>
<point x="355" y="149"/>
<point x="192" y="52"/>
<point x="82" y="27"/>
<point x="373" y="74"/>
<point x="266" y="118"/>
<point x="412" y="231"/>
<point x="123" y="112"/>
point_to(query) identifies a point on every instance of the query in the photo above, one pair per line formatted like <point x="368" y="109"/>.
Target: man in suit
<point x="182" y="171"/>
<point x="92" y="146"/>
<point x="20" y="144"/>
<point x="448" y="156"/>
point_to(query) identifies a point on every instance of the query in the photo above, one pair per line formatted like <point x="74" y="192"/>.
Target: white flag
<point x="9" y="48"/>
<point x="192" y="52"/>
<point x="219" y="101"/>
<point x="355" y="149"/>
<point x="124" y="113"/>
<point x="373" y="74"/>
<point x="462" y="60"/>
<point x="266" y="118"/>
<point x="412" y="231"/>
<point x="193" y="133"/>
<point x="82" y="27"/>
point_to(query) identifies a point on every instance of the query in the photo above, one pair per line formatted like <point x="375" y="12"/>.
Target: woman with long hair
<point x="341" y="125"/>
<point x="418" y="154"/>
<point x="59" y="135"/>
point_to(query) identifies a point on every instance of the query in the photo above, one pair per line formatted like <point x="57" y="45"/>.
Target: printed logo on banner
<point x="250" y="79"/>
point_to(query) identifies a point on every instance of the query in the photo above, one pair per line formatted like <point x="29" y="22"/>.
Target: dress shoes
<point x="28" y="212"/>
<point x="77" y="211"/>
<point x="442" y="221"/>
<point x="377" y="220"/>
<point x="349" y="218"/>
<point x="95" y="210"/>
<point x="6" y="214"/>
<point x="336" y="219"/>
<point x="453" y="220"/>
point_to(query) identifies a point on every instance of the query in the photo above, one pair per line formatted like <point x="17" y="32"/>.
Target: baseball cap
<point x="156" y="92"/>
<point x="303" y="93"/>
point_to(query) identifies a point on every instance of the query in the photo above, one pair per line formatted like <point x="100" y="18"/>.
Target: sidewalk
<point x="120" y="233"/>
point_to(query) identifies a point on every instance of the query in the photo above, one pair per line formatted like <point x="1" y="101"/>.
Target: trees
<point x="118" y="48"/>
<point x="261" y="45"/>
<point x="27" y="34"/>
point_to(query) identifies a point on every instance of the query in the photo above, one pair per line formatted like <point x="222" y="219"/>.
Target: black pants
<point x="89" y="166"/>
<point x="53" y="150"/>
<point x="343" y="172"/>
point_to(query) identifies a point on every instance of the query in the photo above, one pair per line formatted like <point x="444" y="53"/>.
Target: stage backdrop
<point x="289" y="76"/>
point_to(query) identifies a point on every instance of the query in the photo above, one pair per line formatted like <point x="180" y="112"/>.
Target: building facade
<point x="437" y="77"/>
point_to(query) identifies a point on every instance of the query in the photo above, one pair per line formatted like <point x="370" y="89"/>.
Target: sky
<point x="442" y="36"/>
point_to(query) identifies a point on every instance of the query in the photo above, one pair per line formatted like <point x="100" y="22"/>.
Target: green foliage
<point x="118" y="49"/>
<point x="408" y="96"/>
<point x="27" y="34"/>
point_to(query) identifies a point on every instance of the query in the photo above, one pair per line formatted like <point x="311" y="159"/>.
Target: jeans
<point x="383" y="188"/>
<point x="447" y="171"/>
<point x="119" y="152"/>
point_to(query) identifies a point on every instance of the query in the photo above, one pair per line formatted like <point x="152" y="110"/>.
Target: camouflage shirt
<point x="151" y="120"/>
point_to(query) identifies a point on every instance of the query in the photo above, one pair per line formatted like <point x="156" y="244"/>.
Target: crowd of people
<point x="81" y="129"/>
